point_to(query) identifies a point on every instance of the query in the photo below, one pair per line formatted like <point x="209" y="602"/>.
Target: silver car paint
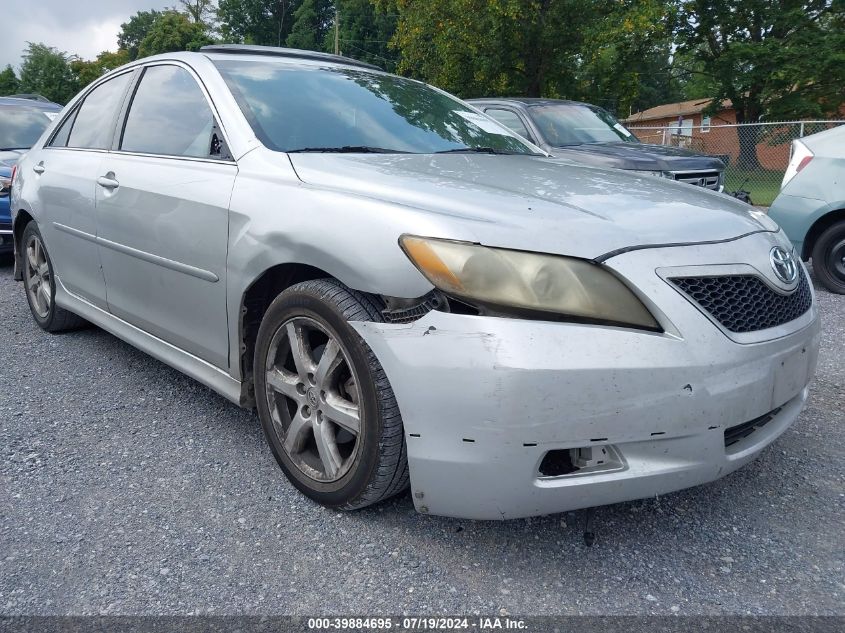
<point x="344" y="215"/>
<point x="662" y="401"/>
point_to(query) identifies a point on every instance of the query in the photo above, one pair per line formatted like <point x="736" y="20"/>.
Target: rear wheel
<point x="326" y="406"/>
<point x="40" y="285"/>
<point x="829" y="258"/>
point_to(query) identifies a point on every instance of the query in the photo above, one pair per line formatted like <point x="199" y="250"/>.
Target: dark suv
<point x="588" y="134"/>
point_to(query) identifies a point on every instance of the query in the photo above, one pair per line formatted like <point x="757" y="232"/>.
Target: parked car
<point x="588" y="134"/>
<point x="811" y="204"/>
<point x="407" y="291"/>
<point x="21" y="123"/>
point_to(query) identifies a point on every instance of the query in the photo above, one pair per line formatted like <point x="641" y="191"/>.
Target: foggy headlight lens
<point x="528" y="281"/>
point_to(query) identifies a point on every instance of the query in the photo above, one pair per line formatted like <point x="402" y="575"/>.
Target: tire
<point x="40" y="285"/>
<point x="308" y="409"/>
<point x="829" y="258"/>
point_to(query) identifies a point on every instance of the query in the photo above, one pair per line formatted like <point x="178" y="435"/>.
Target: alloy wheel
<point x="314" y="399"/>
<point x="37" y="277"/>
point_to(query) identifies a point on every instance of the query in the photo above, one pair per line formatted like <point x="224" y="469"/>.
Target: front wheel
<point x="326" y="406"/>
<point x="829" y="258"/>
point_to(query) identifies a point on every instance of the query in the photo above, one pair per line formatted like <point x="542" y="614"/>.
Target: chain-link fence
<point x="756" y="154"/>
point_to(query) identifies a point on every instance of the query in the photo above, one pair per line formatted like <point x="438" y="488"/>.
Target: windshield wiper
<point x="347" y="149"/>
<point x="11" y="149"/>
<point x="485" y="150"/>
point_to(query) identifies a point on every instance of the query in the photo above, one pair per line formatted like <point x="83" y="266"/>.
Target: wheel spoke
<point x="329" y="361"/>
<point x="32" y="282"/>
<point x="31" y="254"/>
<point x="300" y="350"/>
<point x="44" y="270"/>
<point x="44" y="293"/>
<point x="284" y="383"/>
<point x="342" y="413"/>
<point x="297" y="433"/>
<point x="327" y="448"/>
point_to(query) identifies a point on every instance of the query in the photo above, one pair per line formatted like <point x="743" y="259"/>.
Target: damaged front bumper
<point x="508" y="418"/>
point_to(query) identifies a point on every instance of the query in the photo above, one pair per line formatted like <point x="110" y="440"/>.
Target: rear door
<point x="67" y="169"/>
<point x="162" y="208"/>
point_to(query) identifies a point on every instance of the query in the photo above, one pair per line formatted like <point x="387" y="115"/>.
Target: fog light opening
<point x="581" y="460"/>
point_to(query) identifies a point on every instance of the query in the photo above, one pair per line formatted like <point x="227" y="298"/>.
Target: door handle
<point x="39" y="168"/>
<point x="107" y="183"/>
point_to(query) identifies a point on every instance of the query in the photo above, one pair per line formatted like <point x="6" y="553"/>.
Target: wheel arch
<point x="22" y="218"/>
<point x="253" y="305"/>
<point x="820" y="226"/>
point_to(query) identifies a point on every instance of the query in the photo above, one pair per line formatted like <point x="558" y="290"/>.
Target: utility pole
<point x="336" y="32"/>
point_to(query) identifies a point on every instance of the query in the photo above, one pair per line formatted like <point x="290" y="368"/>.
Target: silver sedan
<point x="408" y="293"/>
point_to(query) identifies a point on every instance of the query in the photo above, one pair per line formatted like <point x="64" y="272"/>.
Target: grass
<point x="763" y="185"/>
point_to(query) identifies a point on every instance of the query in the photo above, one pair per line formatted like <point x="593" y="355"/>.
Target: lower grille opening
<point x="739" y="432"/>
<point x="588" y="459"/>
<point x="557" y="463"/>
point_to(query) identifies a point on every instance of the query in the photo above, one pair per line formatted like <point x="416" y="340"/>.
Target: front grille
<point x="736" y="433"/>
<point x="744" y="303"/>
<point x="706" y="179"/>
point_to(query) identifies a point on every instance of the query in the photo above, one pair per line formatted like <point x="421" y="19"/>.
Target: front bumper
<point x="485" y="399"/>
<point x="7" y="243"/>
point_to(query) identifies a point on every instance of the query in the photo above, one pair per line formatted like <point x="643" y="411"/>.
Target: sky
<point x="81" y="27"/>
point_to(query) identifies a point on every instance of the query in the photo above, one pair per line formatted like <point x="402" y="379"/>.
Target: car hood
<point x="535" y="203"/>
<point x="642" y="156"/>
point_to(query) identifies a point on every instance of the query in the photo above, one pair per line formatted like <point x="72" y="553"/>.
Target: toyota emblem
<point x="784" y="265"/>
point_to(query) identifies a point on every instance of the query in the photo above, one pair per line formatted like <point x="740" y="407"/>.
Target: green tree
<point x="133" y="32"/>
<point x="483" y="47"/>
<point x="266" y="22"/>
<point x="9" y="83"/>
<point x="311" y="23"/>
<point x="46" y="71"/>
<point x="173" y="31"/>
<point x="772" y="59"/>
<point x="88" y="71"/>
<point x="626" y="54"/>
<point x="199" y="11"/>
<point x="365" y="33"/>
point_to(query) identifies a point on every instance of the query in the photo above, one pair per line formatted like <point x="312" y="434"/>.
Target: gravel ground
<point x="128" y="488"/>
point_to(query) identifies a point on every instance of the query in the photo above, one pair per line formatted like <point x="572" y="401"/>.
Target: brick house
<point x="685" y="124"/>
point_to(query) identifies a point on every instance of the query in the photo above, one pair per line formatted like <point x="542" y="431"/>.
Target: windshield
<point x="20" y="126"/>
<point x="296" y="108"/>
<point x="575" y="124"/>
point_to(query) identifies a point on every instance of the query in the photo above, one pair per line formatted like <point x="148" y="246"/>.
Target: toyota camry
<point x="409" y="294"/>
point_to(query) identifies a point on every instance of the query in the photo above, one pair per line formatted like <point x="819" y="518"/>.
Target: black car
<point x="588" y="134"/>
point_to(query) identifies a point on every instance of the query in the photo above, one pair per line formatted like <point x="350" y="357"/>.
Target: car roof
<point x="292" y="54"/>
<point x="527" y="101"/>
<point x="31" y="103"/>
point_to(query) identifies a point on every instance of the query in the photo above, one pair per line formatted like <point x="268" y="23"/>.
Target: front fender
<point x="796" y="215"/>
<point x="276" y="219"/>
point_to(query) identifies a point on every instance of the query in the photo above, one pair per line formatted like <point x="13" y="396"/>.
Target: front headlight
<point x="527" y="281"/>
<point x="658" y="174"/>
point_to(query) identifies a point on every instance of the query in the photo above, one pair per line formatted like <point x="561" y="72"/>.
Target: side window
<point x="169" y="115"/>
<point x="60" y="138"/>
<point x="510" y="120"/>
<point x="92" y="128"/>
